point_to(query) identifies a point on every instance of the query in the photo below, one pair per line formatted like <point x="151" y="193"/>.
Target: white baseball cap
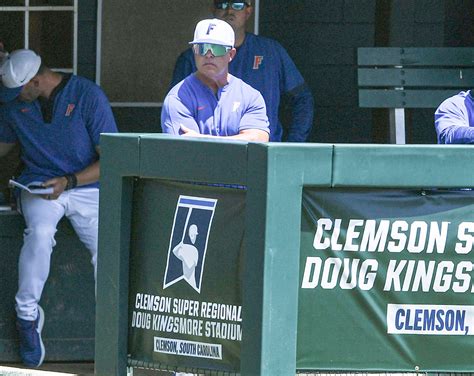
<point x="214" y="31"/>
<point x="19" y="67"/>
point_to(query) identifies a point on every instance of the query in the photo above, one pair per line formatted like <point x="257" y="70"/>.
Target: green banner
<point x="185" y="299"/>
<point x="386" y="280"/>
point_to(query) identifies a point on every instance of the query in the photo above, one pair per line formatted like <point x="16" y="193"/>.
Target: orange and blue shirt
<point x="58" y="136"/>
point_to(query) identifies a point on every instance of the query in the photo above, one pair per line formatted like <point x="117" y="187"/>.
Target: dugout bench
<point x="399" y="78"/>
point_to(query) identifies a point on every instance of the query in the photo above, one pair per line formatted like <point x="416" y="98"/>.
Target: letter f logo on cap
<point x="214" y="31"/>
<point x="210" y="28"/>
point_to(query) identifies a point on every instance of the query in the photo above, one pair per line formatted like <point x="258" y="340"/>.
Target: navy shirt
<point x="265" y="65"/>
<point x="63" y="141"/>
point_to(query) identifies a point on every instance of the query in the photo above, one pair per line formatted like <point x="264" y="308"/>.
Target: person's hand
<point x="59" y="185"/>
<point x="185" y="131"/>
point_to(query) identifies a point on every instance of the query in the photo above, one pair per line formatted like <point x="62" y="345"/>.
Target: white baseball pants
<point x="81" y="207"/>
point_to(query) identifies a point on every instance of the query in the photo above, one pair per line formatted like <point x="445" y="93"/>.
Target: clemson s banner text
<point x="386" y="278"/>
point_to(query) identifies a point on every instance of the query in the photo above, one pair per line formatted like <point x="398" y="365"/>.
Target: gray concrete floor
<point x="73" y="369"/>
<point x="80" y="369"/>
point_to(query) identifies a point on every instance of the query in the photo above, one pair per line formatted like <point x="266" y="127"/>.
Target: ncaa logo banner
<point x="188" y="243"/>
<point x="185" y="300"/>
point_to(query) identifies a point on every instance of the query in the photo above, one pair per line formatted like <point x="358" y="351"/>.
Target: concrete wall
<point x="322" y="36"/>
<point x="87" y="30"/>
<point x="418" y="23"/>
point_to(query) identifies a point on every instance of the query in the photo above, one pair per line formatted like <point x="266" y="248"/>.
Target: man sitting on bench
<point x="454" y="119"/>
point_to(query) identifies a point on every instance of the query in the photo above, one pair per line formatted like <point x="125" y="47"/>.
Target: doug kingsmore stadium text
<point x="408" y="271"/>
<point x="190" y="317"/>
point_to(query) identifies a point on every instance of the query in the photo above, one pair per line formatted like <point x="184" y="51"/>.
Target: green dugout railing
<point x="275" y="176"/>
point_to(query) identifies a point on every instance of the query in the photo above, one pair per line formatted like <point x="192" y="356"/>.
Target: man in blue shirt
<point x="6" y="95"/>
<point x="265" y="65"/>
<point x="57" y="120"/>
<point x="10" y="164"/>
<point x="212" y="102"/>
<point x="454" y="119"/>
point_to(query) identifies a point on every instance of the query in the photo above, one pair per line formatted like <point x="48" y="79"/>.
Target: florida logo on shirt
<point x="235" y="106"/>
<point x="257" y="60"/>
<point x="69" y="109"/>
<point x="188" y="243"/>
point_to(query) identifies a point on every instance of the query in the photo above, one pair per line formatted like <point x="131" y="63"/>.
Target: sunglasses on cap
<point x="216" y="49"/>
<point x="226" y="4"/>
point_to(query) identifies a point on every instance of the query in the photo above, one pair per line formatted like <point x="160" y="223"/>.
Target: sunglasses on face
<point x="226" y="4"/>
<point x="216" y="49"/>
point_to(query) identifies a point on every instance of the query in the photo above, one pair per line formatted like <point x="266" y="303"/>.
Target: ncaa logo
<point x="188" y="242"/>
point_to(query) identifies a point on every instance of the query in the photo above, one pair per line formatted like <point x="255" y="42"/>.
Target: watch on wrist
<point x="71" y="181"/>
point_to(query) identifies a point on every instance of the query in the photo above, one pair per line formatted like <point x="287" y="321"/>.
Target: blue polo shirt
<point x="62" y="140"/>
<point x="454" y="119"/>
<point x="235" y="107"/>
<point x="7" y="95"/>
<point x="265" y="65"/>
